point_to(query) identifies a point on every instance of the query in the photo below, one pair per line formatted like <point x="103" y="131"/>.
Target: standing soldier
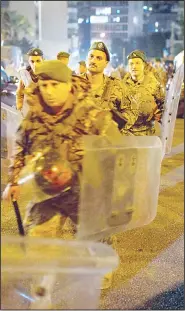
<point x="66" y="114"/>
<point x="27" y="76"/>
<point x="145" y="95"/>
<point x="106" y="92"/>
<point x="63" y="57"/>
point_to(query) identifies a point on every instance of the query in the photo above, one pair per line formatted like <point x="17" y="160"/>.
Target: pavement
<point x="150" y="274"/>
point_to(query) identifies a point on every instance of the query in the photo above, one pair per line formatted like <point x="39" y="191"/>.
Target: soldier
<point x="106" y="92"/>
<point x="159" y="72"/>
<point x="63" y="57"/>
<point x="81" y="68"/>
<point x="144" y="94"/>
<point x="27" y="76"/>
<point x="65" y="114"/>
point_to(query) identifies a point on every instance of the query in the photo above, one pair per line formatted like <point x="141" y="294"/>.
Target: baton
<point x="18" y="217"/>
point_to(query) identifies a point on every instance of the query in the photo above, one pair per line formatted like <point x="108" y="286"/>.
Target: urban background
<point x="157" y="27"/>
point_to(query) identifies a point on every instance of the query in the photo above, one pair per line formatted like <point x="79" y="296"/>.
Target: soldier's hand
<point x="11" y="192"/>
<point x="157" y="116"/>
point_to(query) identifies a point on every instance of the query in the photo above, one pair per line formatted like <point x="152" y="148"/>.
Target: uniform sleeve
<point x="116" y="93"/>
<point x="18" y="158"/>
<point x="160" y="99"/>
<point x="129" y="110"/>
<point x="20" y="95"/>
<point x="121" y="110"/>
<point x="93" y="121"/>
<point x="105" y="126"/>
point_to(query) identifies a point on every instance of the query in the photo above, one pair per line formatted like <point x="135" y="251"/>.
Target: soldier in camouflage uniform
<point x="27" y="76"/>
<point x="106" y="92"/>
<point x="144" y="94"/>
<point x="64" y="113"/>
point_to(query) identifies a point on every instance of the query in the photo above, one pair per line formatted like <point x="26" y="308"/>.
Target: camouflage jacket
<point x="160" y="74"/>
<point x="146" y="101"/>
<point x="110" y="97"/>
<point x="40" y="130"/>
<point x="26" y="77"/>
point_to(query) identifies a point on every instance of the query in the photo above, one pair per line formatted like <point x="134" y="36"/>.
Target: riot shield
<point x="53" y="274"/>
<point x="10" y="120"/>
<point x="171" y="107"/>
<point x="120" y="185"/>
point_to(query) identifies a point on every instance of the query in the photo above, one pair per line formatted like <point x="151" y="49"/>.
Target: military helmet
<point x="35" y="52"/>
<point x="137" y="54"/>
<point x="100" y="46"/>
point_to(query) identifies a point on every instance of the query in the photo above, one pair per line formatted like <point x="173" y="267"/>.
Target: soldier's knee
<point x="48" y="229"/>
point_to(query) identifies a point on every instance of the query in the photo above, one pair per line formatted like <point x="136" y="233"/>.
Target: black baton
<point x="18" y="217"/>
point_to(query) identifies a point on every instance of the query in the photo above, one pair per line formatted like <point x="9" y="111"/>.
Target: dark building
<point x="113" y="22"/>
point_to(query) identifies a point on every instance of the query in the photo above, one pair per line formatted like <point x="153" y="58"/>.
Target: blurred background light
<point x="80" y="20"/>
<point x="102" y="35"/>
<point x="98" y="19"/>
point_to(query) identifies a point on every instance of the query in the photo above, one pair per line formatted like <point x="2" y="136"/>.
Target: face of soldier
<point x="136" y="68"/>
<point x="64" y="60"/>
<point x="54" y="93"/>
<point x="34" y="60"/>
<point x="96" y="61"/>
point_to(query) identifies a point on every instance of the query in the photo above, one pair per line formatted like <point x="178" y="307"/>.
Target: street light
<point x="38" y="21"/>
<point x="102" y="35"/>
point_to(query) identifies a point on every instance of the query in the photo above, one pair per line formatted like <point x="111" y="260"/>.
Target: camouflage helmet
<point x="100" y="46"/>
<point x="137" y="54"/>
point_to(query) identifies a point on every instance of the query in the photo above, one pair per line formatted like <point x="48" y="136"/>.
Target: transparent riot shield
<point x="10" y="120"/>
<point x="53" y="274"/>
<point x="120" y="185"/>
<point x="171" y="107"/>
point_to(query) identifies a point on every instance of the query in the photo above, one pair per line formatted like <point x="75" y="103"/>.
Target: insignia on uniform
<point x="100" y="45"/>
<point x="36" y="53"/>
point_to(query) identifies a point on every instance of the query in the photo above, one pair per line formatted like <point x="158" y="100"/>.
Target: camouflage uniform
<point x="26" y="77"/>
<point x="61" y="132"/>
<point x="160" y="75"/>
<point x="146" y="99"/>
<point x="109" y="96"/>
